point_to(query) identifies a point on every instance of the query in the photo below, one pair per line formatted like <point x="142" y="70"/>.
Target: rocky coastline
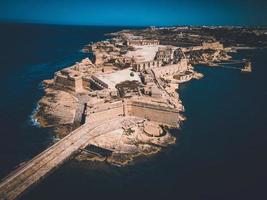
<point x="130" y="76"/>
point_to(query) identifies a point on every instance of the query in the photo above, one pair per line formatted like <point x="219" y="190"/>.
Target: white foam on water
<point x="33" y="120"/>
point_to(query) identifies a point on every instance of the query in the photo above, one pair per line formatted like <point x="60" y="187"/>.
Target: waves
<point x="32" y="119"/>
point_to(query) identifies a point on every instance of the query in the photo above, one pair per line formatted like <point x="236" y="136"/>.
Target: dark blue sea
<point x="221" y="151"/>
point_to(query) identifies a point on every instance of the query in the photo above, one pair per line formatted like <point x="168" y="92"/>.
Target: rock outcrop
<point x="57" y="110"/>
<point x="207" y="56"/>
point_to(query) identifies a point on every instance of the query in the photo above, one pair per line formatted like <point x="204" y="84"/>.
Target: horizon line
<point x="12" y="21"/>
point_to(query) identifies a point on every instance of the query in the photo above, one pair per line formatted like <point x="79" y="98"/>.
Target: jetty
<point x="247" y="65"/>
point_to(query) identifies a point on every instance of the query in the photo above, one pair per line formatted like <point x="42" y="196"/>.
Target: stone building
<point x="69" y="79"/>
<point x="164" y="54"/>
<point x="184" y="77"/>
<point x="76" y="77"/>
<point x="110" y="80"/>
<point x="142" y="42"/>
<point x="144" y="65"/>
<point x="152" y="90"/>
<point x="206" y="45"/>
<point x="180" y="67"/>
<point x="146" y="78"/>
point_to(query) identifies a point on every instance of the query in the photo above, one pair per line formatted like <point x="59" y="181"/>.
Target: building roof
<point x="112" y="79"/>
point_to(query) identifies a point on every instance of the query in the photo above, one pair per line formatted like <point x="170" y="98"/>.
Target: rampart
<point x="104" y="111"/>
<point x="171" y="69"/>
<point x="143" y="108"/>
<point x="71" y="82"/>
<point x="153" y="111"/>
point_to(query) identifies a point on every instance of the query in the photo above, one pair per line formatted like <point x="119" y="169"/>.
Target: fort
<point x="124" y="99"/>
<point x="146" y="108"/>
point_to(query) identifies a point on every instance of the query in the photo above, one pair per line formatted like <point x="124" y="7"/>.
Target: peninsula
<point x="122" y="101"/>
<point x="134" y="76"/>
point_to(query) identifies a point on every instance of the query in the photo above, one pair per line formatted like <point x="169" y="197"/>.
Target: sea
<point x="220" y="151"/>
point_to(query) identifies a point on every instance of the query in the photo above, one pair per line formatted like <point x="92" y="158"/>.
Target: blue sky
<point x="137" y="13"/>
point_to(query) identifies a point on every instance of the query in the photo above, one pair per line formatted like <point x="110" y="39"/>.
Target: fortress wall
<point x="206" y="45"/>
<point x="172" y="69"/>
<point x="212" y="45"/>
<point x="105" y="112"/>
<point x="153" y="112"/>
<point x="74" y="84"/>
<point x="147" y="65"/>
<point x="64" y="82"/>
<point x="161" y="114"/>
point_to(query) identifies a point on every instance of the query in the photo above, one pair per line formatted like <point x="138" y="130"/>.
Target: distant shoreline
<point x="244" y="48"/>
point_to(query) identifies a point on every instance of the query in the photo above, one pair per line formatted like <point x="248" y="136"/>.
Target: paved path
<point x="33" y="171"/>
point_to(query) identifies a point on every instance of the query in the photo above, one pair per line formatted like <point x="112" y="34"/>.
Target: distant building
<point x="144" y="65"/>
<point x="142" y="42"/>
<point x="164" y="54"/>
<point x="212" y="45"/>
<point x="152" y="28"/>
<point x="184" y="76"/>
<point x="177" y="68"/>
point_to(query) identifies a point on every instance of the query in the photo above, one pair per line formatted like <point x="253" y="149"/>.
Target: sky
<point x="136" y="12"/>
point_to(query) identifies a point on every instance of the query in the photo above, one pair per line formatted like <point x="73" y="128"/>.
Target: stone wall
<point x="212" y="45"/>
<point x="154" y="112"/>
<point x="204" y="46"/>
<point x="71" y="83"/>
<point x="157" y="113"/>
<point x="99" y="83"/>
<point x="172" y="69"/>
<point x="141" y="66"/>
<point x="105" y="112"/>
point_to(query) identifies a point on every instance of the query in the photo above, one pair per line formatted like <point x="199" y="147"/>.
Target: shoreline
<point x="125" y="77"/>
